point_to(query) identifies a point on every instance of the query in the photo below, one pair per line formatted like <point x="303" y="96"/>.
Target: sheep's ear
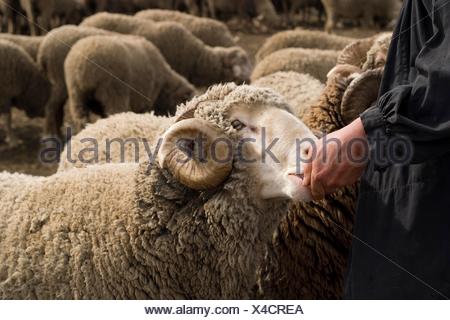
<point x="356" y="52"/>
<point x="361" y="94"/>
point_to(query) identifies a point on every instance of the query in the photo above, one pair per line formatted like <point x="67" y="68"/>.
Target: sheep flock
<point x="137" y="119"/>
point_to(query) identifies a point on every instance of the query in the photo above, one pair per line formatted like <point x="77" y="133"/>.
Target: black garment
<point x="404" y="208"/>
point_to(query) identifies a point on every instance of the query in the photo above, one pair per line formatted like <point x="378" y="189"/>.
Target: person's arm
<point x="415" y="105"/>
<point x="412" y="103"/>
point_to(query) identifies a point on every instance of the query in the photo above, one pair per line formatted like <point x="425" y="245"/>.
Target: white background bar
<point x="333" y="310"/>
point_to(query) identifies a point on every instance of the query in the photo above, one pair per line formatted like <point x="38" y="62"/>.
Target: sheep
<point x="377" y="54"/>
<point x="307" y="255"/>
<point x="299" y="90"/>
<point x="387" y="10"/>
<point x="302" y="39"/>
<point x="23" y="86"/>
<point x="160" y="229"/>
<point x="51" y="57"/>
<point x="30" y="44"/>
<point x="313" y="61"/>
<point x="200" y="64"/>
<point x="366" y="54"/>
<point x="113" y="74"/>
<point x="41" y="13"/>
<point x="212" y="32"/>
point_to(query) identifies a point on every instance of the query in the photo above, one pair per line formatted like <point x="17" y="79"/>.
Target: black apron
<point x="401" y="246"/>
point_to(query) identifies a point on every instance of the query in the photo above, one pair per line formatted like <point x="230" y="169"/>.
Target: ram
<point x="307" y="254"/>
<point x="190" y="225"/>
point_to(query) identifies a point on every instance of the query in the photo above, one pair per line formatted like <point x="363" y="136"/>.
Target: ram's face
<point x="272" y="146"/>
<point x="262" y="144"/>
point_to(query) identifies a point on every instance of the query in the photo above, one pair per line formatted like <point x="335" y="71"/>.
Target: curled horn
<point x="360" y="94"/>
<point x="356" y="52"/>
<point x="196" y="153"/>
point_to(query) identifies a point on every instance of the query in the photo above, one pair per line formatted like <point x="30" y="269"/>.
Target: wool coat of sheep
<point x="120" y="138"/>
<point x="30" y="44"/>
<point x="212" y="32"/>
<point x="190" y="57"/>
<point x="315" y="62"/>
<point x="299" y="38"/>
<point x="113" y="74"/>
<point x="128" y="231"/>
<point x="300" y="90"/>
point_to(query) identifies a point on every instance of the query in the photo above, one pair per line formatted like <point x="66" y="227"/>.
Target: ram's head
<point x="238" y="132"/>
<point x="367" y="54"/>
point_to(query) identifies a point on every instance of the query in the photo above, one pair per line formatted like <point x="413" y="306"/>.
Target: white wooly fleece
<point x="139" y="132"/>
<point x="302" y="39"/>
<point x="312" y="61"/>
<point x="301" y="91"/>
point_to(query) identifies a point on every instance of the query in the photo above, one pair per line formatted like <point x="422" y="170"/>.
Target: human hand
<point x="338" y="160"/>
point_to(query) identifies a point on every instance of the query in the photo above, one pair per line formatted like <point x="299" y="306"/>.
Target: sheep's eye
<point x="238" y="125"/>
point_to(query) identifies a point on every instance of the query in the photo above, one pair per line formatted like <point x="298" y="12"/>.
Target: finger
<point x="307" y="174"/>
<point x="307" y="168"/>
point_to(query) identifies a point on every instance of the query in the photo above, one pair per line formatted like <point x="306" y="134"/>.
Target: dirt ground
<point x="25" y="157"/>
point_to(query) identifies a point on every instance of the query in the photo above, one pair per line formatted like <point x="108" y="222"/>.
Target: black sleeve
<point x="415" y="91"/>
